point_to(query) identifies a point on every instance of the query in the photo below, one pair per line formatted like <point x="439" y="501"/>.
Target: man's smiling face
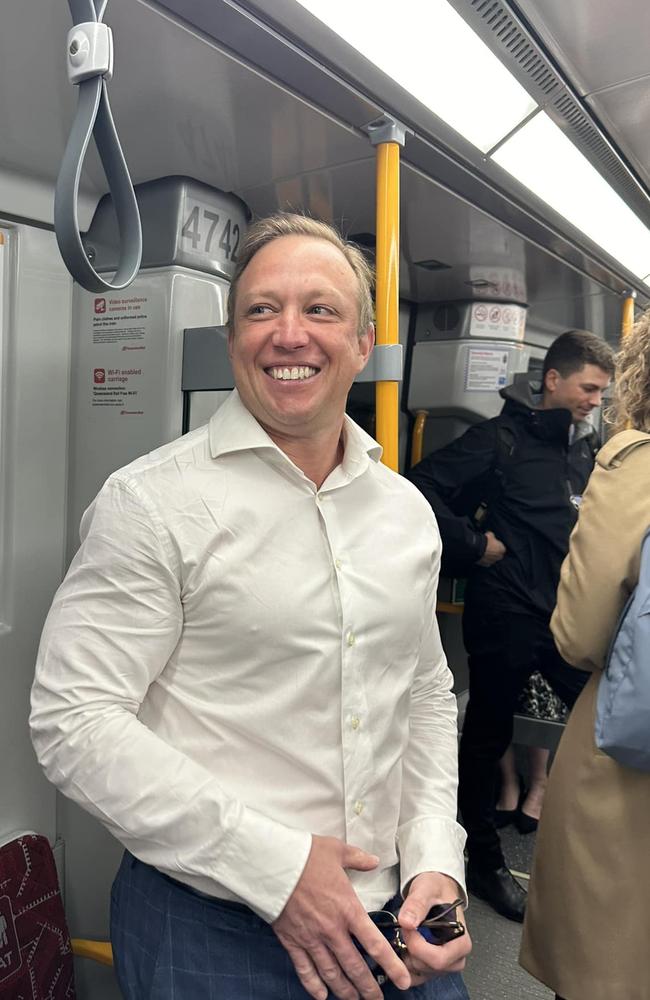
<point x="296" y="349"/>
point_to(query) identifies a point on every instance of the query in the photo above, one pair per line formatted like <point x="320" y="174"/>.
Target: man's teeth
<point x="291" y="374"/>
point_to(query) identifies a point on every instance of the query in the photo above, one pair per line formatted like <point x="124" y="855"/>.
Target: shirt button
<point x="351" y="639"/>
<point x="337" y="563"/>
<point x="355" y="721"/>
<point x="358" y="807"/>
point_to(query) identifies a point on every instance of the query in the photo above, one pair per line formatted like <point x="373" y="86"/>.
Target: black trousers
<point x="504" y="649"/>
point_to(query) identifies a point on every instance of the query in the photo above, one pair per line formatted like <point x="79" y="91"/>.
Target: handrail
<point x="387" y="136"/>
<point x="447" y="608"/>
<point x="99" y="951"/>
<point x="90" y="65"/>
<point x="418" y="436"/>
<point x="627" y="314"/>
<point x="627" y="321"/>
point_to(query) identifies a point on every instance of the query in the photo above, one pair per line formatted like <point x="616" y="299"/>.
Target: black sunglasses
<point x="436" y="928"/>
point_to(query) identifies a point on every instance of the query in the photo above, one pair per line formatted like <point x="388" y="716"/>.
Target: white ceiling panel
<point x="625" y="113"/>
<point x="598" y="44"/>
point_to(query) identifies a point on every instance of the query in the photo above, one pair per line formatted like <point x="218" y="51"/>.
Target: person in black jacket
<point x="506" y="496"/>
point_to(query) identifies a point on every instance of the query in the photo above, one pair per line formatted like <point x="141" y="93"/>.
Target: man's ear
<point x="551" y="380"/>
<point x="366" y="344"/>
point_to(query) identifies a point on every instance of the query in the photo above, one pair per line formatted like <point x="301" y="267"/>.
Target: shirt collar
<point x="234" y="428"/>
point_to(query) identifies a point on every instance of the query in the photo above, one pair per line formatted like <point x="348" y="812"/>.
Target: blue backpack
<point x="623" y="705"/>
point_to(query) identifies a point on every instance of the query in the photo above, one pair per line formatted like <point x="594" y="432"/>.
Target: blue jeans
<point x="169" y="942"/>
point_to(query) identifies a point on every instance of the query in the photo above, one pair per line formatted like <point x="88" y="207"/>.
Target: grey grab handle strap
<point x="93" y="116"/>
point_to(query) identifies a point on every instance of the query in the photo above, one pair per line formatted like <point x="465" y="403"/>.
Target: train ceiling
<point x="288" y="133"/>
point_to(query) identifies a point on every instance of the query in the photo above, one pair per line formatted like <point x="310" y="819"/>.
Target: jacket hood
<point x="524" y="391"/>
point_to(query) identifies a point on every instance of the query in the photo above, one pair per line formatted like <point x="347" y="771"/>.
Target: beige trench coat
<point x="587" y="928"/>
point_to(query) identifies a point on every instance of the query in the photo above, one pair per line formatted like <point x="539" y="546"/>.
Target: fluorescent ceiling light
<point x="542" y="157"/>
<point x="426" y="47"/>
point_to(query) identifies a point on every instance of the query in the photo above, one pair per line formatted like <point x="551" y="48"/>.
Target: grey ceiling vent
<point x="505" y="31"/>
<point x="510" y="37"/>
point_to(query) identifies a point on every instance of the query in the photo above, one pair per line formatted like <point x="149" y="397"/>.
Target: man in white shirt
<point x="241" y="675"/>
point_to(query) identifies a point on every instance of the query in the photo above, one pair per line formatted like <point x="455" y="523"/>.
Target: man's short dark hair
<point x="574" y="349"/>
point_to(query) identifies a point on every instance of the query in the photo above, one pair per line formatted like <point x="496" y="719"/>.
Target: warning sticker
<point x="120" y="320"/>
<point x="486" y="369"/>
<point x="497" y="321"/>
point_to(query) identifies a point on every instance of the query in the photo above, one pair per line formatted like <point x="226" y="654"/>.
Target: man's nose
<point x="290" y="332"/>
<point x="596" y="397"/>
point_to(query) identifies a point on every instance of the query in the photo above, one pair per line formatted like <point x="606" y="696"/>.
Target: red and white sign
<point x="498" y="322"/>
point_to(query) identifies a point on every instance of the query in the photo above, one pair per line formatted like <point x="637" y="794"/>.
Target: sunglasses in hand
<point x="438" y="927"/>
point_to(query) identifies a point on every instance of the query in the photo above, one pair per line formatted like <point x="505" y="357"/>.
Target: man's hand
<point x="319" y="918"/>
<point x="494" y="550"/>
<point x="425" y="960"/>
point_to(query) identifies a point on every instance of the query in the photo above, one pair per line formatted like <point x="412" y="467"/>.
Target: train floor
<point x="493" y="971"/>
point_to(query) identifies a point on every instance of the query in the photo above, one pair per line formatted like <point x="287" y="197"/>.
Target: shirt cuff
<point x="262" y="861"/>
<point x="432" y="845"/>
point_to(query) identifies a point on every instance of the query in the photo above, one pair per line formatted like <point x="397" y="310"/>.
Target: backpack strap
<point x="506" y="440"/>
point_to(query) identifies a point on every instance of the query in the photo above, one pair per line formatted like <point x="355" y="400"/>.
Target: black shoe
<point x="500" y="889"/>
<point x="525" y="823"/>
<point x="504" y="817"/>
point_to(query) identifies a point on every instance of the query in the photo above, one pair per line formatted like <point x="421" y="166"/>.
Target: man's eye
<point x="320" y="310"/>
<point x="258" y="310"/>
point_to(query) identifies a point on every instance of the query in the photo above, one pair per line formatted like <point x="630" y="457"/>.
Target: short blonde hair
<point x="631" y="402"/>
<point x="266" y="230"/>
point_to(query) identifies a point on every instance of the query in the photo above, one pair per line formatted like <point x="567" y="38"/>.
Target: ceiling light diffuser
<point x="543" y="158"/>
<point x="426" y="47"/>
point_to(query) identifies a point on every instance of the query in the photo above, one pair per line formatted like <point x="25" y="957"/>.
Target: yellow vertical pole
<point x="387" y="136"/>
<point x="418" y="436"/>
<point x="387" y="293"/>
<point x="627" y="317"/>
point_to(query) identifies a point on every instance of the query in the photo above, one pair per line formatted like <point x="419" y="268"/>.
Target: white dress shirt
<point x="237" y="659"/>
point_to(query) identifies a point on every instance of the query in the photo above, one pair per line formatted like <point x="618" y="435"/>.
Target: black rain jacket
<point x="532" y="497"/>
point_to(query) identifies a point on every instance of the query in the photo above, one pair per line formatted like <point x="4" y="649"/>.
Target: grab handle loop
<point x="90" y="65"/>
